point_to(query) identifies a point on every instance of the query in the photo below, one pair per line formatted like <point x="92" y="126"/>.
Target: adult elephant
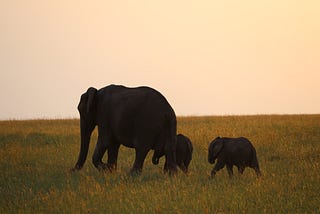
<point x="139" y="118"/>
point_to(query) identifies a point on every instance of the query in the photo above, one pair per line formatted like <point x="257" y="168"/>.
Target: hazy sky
<point x="207" y="57"/>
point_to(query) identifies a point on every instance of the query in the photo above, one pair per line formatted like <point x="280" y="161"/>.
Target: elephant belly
<point x="126" y="141"/>
<point x="127" y="144"/>
<point x="123" y="139"/>
<point x="239" y="161"/>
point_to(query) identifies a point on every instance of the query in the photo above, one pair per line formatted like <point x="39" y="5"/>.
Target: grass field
<point x="36" y="157"/>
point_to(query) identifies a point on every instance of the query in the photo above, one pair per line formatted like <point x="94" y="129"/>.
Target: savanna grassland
<point x="36" y="157"/>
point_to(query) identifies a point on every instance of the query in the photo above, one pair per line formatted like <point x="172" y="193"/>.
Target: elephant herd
<point x="141" y="118"/>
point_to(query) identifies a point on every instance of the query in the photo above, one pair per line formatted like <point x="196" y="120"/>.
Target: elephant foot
<point x="258" y="174"/>
<point x="183" y="168"/>
<point x="185" y="171"/>
<point x="135" y="172"/>
<point x="76" y="168"/>
<point x="102" y="167"/>
<point x="173" y="172"/>
<point x="213" y="174"/>
<point x="111" y="167"/>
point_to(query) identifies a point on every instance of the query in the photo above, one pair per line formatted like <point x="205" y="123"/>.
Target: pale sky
<point x="207" y="57"/>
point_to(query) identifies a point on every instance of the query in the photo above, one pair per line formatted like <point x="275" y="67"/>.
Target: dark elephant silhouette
<point x="184" y="151"/>
<point x="232" y="151"/>
<point x="139" y="118"/>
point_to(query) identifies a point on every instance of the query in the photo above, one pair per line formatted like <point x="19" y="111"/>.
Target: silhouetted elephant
<point x="233" y="151"/>
<point x="183" y="154"/>
<point x="139" y="118"/>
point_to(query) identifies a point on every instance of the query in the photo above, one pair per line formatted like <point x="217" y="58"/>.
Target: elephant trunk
<point x="155" y="158"/>
<point x="158" y="153"/>
<point x="211" y="160"/>
<point x="86" y="130"/>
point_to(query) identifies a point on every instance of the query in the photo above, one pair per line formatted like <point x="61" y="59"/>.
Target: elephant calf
<point x="184" y="151"/>
<point x="232" y="151"/>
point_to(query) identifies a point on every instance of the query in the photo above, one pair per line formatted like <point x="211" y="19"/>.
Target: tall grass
<point x="37" y="155"/>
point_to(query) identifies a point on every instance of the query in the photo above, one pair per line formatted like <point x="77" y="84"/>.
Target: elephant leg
<point x="230" y="170"/>
<point x="98" y="153"/>
<point x="113" y="151"/>
<point x="171" y="164"/>
<point x="257" y="170"/>
<point x="141" y="154"/>
<point x="255" y="165"/>
<point x="183" y="167"/>
<point x="241" y="169"/>
<point x="186" y="164"/>
<point x="219" y="165"/>
<point x="165" y="168"/>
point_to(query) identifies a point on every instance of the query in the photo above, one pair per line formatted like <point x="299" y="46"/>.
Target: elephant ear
<point x="216" y="147"/>
<point x="91" y="98"/>
<point x="87" y="101"/>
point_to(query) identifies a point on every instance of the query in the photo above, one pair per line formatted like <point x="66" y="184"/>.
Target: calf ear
<point x="217" y="147"/>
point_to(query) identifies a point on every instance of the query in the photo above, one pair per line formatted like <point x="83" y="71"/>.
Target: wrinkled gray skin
<point x="183" y="154"/>
<point x="232" y="151"/>
<point x="139" y="118"/>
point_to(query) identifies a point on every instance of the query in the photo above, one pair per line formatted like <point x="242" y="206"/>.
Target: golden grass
<point x="37" y="155"/>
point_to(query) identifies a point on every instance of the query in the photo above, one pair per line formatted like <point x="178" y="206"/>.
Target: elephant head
<point x="215" y="148"/>
<point x="87" y="110"/>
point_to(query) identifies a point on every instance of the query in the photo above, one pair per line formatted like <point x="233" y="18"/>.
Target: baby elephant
<point x="233" y="151"/>
<point x="184" y="151"/>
